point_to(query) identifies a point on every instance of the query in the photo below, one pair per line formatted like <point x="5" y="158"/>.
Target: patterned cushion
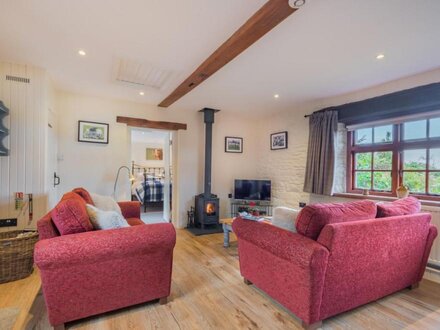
<point x="105" y="203"/>
<point x="105" y="219"/>
<point x="405" y="206"/>
<point x="84" y="194"/>
<point x="70" y="216"/>
<point x="284" y="217"/>
<point x="313" y="218"/>
<point x="73" y="195"/>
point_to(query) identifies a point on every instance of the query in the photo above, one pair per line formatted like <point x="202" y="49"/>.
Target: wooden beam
<point x="264" y="20"/>
<point x="139" y="122"/>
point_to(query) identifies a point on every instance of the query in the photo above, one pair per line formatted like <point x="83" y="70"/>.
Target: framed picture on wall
<point x="278" y="141"/>
<point x="154" y="154"/>
<point x="89" y="131"/>
<point x="233" y="144"/>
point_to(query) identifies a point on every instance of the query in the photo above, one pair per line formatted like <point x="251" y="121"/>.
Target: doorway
<point x="151" y="160"/>
<point x="52" y="160"/>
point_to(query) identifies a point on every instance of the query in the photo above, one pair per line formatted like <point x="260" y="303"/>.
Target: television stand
<point x="263" y="208"/>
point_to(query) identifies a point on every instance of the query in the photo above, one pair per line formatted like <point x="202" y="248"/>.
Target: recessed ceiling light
<point x="380" y="56"/>
<point x="82" y="52"/>
<point x="276" y="96"/>
<point x="296" y="3"/>
<point x="141" y="93"/>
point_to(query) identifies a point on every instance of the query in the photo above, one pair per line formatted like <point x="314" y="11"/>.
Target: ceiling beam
<point x="264" y="20"/>
<point x="144" y="123"/>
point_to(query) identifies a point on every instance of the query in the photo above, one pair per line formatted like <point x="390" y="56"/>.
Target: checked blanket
<point x="152" y="189"/>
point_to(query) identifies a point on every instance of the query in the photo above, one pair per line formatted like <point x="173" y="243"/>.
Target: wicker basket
<point x="16" y="255"/>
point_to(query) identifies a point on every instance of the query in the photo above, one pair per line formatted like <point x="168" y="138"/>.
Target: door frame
<point x="173" y="134"/>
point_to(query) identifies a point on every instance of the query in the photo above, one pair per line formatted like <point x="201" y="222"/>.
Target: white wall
<point x="94" y="166"/>
<point x="140" y="142"/>
<point x="24" y="170"/>
<point x="229" y="166"/>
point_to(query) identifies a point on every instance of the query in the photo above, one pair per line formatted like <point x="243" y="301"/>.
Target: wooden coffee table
<point x="227" y="228"/>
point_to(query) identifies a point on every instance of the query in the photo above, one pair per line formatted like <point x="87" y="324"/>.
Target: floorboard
<point x="20" y="295"/>
<point x="208" y="293"/>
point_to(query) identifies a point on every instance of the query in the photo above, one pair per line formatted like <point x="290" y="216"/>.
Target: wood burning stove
<point x="207" y="204"/>
<point x="206" y="211"/>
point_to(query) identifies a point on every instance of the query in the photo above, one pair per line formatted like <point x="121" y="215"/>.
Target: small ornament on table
<point x="402" y="191"/>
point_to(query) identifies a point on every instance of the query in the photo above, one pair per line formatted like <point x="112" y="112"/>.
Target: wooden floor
<point x="19" y="295"/>
<point x="208" y="293"/>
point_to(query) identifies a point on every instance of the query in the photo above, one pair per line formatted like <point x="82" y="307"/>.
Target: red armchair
<point x="350" y="264"/>
<point x="94" y="272"/>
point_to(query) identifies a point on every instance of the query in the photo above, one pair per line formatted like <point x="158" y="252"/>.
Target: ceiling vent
<point x="18" y="79"/>
<point x="138" y="75"/>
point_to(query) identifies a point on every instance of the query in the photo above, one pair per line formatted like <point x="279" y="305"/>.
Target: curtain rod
<point x="322" y="110"/>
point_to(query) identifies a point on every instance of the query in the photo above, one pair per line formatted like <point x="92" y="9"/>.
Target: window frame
<point x="397" y="146"/>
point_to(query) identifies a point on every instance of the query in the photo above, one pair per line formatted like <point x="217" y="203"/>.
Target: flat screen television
<point x="256" y="190"/>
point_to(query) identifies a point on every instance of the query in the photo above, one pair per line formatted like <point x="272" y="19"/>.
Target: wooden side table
<point x="227" y="228"/>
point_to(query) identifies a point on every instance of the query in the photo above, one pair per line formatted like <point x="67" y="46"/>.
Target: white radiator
<point x="434" y="257"/>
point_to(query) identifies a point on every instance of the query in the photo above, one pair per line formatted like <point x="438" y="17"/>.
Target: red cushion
<point x="70" y="216"/>
<point x="72" y="195"/>
<point x="134" y="221"/>
<point x="313" y="218"/>
<point x="405" y="206"/>
<point x="84" y="194"/>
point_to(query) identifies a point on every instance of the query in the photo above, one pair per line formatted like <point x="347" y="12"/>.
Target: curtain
<point x="321" y="152"/>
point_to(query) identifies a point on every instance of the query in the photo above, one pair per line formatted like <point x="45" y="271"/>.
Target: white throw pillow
<point x="105" y="219"/>
<point x="284" y="217"/>
<point x="105" y="203"/>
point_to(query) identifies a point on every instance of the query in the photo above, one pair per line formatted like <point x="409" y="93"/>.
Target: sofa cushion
<point x="284" y="217"/>
<point x="102" y="220"/>
<point x="70" y="216"/>
<point x="105" y="203"/>
<point x="313" y="218"/>
<point x="84" y="194"/>
<point x="46" y="228"/>
<point x="135" y="221"/>
<point x="404" y="206"/>
<point x="73" y="195"/>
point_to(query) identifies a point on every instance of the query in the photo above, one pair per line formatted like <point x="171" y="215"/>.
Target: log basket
<point x="16" y="254"/>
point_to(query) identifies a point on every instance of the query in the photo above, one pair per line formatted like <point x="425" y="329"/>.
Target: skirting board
<point x="432" y="274"/>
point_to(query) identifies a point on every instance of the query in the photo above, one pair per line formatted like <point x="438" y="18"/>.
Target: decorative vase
<point x="402" y="191"/>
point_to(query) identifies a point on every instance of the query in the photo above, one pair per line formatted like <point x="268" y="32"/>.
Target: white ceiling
<point x="326" y="48"/>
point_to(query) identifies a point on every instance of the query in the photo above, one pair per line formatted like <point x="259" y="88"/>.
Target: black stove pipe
<point x="208" y="117"/>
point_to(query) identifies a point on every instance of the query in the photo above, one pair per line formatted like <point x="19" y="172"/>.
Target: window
<point x="381" y="158"/>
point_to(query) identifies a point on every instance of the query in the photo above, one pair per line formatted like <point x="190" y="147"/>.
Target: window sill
<point x="383" y="198"/>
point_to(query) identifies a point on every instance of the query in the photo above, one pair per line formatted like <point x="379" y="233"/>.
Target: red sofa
<point x="342" y="256"/>
<point x="93" y="272"/>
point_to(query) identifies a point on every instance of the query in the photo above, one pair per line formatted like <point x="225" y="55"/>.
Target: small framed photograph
<point x="154" y="154"/>
<point x="233" y="144"/>
<point x="92" y="132"/>
<point x="278" y="141"/>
